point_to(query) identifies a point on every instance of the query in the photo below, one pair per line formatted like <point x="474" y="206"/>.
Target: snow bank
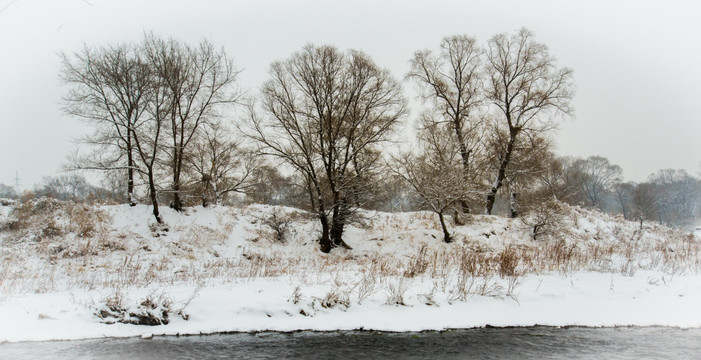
<point x="584" y="299"/>
<point x="259" y="268"/>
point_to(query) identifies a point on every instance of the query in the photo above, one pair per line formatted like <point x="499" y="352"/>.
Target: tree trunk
<point x="446" y="235"/>
<point x="491" y="197"/>
<point x="130" y="171"/>
<point x="501" y="175"/>
<point x="536" y="229"/>
<point x="325" y="240"/>
<point x="623" y="208"/>
<point x="154" y="197"/>
<point x="204" y="194"/>
<point x="311" y="193"/>
<point x="215" y="193"/>
<point x="338" y="222"/>
<point x="513" y="205"/>
<point x="465" y="207"/>
<point x="337" y="233"/>
<point x="177" y="204"/>
<point x="178" y="153"/>
<point x="465" y="157"/>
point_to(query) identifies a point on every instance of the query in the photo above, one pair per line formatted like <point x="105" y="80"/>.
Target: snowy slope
<point x="228" y="270"/>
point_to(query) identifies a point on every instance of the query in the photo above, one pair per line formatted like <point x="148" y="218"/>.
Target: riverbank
<point x="258" y="268"/>
<point x="580" y="299"/>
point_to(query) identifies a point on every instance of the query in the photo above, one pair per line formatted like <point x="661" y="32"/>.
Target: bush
<point x="47" y="218"/>
<point x="150" y="311"/>
<point x="546" y="219"/>
<point x="278" y="224"/>
<point x="7" y="202"/>
<point x="35" y="219"/>
<point x="508" y="261"/>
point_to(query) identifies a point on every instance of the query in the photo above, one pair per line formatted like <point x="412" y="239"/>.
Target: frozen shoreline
<point x="225" y="268"/>
<point x="579" y="299"/>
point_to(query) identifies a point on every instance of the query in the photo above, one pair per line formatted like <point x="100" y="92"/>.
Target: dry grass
<point x="366" y="286"/>
<point x="396" y="291"/>
<point x="459" y="270"/>
<point x="47" y="218"/>
<point x="51" y="245"/>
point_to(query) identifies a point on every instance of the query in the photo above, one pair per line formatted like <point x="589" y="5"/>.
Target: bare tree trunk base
<point x="446" y="234"/>
<point x="490" y="203"/>
<point x="513" y="205"/>
<point x="342" y="244"/>
<point x="325" y="247"/>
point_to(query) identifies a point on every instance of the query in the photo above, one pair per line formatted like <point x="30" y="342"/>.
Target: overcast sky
<point x="637" y="64"/>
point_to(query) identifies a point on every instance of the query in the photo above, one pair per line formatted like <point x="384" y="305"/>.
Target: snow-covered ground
<point x="228" y="269"/>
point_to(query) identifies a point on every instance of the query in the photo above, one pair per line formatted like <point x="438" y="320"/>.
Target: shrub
<point x="546" y="219"/>
<point x="396" y="291"/>
<point x="150" y="311"/>
<point x="46" y="218"/>
<point x="508" y="261"/>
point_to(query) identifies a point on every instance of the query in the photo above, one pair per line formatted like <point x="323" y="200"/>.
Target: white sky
<point x="637" y="63"/>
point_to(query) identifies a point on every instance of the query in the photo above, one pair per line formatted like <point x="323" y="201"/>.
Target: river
<point x="485" y="343"/>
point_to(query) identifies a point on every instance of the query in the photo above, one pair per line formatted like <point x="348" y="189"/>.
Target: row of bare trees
<point x="317" y="135"/>
<point x="325" y="113"/>
<point x="487" y="120"/>
<point x="156" y="109"/>
<point x="671" y="197"/>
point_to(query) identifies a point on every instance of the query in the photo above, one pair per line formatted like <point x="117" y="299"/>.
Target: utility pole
<point x="17" y="183"/>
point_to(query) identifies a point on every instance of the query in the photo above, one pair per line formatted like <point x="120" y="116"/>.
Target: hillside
<point x="75" y="271"/>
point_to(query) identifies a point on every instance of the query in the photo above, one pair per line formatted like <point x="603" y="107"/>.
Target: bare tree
<point x="114" y="183"/>
<point x="644" y="203"/>
<point x="325" y="113"/>
<point x="678" y="196"/>
<point x="135" y="95"/>
<point x="8" y="192"/>
<point x="546" y="218"/>
<point x="72" y="186"/>
<point x="110" y="89"/>
<point x="270" y="186"/>
<point x="434" y="173"/>
<point x="391" y="193"/>
<point x="114" y="88"/>
<point x="555" y="180"/>
<point x="220" y="165"/>
<point x="624" y="197"/>
<point x="526" y="86"/>
<point x="198" y="82"/>
<point x="451" y="81"/>
<point x="529" y="154"/>
<point x="147" y="136"/>
<point x="597" y="176"/>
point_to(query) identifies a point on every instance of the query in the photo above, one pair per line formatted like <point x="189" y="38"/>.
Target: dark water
<point x="490" y="343"/>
